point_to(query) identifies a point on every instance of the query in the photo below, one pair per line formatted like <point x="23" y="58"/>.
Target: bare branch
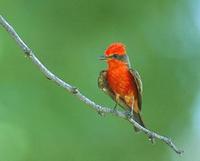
<point x="73" y="90"/>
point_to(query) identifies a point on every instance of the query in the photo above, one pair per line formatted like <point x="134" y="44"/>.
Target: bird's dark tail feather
<point x="138" y="119"/>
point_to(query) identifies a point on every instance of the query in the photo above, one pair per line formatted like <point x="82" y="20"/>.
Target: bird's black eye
<point x="119" y="57"/>
<point x="115" y="56"/>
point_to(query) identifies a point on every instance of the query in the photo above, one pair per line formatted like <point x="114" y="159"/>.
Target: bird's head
<point x="115" y="53"/>
<point x="115" y="49"/>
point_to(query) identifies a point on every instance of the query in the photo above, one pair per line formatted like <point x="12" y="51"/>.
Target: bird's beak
<point x="102" y="57"/>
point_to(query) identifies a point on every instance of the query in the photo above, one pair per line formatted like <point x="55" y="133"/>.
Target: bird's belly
<point x="120" y="83"/>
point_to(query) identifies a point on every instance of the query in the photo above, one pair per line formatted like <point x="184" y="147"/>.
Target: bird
<point x="122" y="83"/>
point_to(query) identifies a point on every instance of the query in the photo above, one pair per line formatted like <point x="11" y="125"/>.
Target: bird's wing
<point x="138" y="82"/>
<point x="103" y="84"/>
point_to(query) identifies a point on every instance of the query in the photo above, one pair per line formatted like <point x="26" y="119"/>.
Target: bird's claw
<point x="74" y="90"/>
<point x="115" y="107"/>
<point x="101" y="113"/>
<point x="152" y="139"/>
<point x="114" y="110"/>
<point x="129" y="114"/>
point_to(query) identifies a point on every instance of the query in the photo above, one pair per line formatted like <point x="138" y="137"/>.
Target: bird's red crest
<point x="116" y="48"/>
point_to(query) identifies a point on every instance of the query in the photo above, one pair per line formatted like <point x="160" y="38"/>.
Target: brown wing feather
<point x="138" y="81"/>
<point x="103" y="84"/>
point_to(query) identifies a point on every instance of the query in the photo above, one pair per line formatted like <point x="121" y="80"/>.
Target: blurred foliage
<point x="40" y="121"/>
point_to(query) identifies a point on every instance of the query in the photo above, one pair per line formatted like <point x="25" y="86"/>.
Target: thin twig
<point x="73" y="90"/>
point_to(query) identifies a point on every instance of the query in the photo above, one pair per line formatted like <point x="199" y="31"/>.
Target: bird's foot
<point x="129" y="114"/>
<point x="74" y="90"/>
<point x="115" y="108"/>
<point x="101" y="113"/>
<point x="152" y="139"/>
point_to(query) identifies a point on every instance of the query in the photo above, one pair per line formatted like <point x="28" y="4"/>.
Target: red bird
<point x="120" y="82"/>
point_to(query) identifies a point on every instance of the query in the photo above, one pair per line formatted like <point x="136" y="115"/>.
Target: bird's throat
<point x="113" y="64"/>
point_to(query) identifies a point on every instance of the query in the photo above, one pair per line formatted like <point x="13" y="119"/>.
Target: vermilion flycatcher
<point x="120" y="82"/>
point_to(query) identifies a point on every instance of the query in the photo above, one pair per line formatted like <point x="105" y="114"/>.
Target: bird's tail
<point x="138" y="119"/>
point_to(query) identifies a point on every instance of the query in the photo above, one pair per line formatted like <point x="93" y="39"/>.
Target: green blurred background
<point x="40" y="121"/>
